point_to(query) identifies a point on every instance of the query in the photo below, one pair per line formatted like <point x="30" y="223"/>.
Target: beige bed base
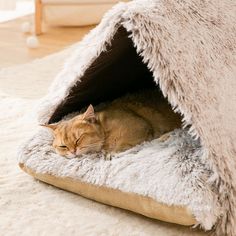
<point x="136" y="203"/>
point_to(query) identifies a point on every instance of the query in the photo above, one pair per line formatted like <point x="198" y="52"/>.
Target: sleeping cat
<point x="116" y="127"/>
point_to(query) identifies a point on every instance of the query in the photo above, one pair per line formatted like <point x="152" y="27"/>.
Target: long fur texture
<point x="190" y="47"/>
<point x="173" y="172"/>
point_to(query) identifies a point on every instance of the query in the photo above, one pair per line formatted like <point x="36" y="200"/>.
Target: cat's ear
<point x="50" y="126"/>
<point x="89" y="115"/>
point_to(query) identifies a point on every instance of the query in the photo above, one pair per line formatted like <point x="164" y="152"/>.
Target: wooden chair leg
<point x="38" y="17"/>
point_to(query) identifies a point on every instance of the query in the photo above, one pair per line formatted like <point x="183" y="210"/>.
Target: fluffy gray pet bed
<point x="187" y="50"/>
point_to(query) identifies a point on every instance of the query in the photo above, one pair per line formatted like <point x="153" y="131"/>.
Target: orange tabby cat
<point x="116" y="127"/>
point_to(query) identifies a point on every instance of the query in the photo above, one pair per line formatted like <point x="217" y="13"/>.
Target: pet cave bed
<point x="185" y="49"/>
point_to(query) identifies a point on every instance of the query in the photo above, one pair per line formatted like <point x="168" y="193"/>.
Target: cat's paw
<point x="107" y="156"/>
<point x="164" y="137"/>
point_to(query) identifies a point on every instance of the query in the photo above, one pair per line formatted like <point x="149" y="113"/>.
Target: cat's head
<point x="81" y="135"/>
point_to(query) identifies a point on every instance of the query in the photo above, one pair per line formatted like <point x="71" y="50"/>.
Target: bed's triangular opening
<point x="115" y="72"/>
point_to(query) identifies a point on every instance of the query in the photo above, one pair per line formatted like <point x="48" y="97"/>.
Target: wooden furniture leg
<point x="38" y="17"/>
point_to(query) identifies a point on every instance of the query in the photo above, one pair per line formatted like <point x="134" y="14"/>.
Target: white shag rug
<point x="29" y="207"/>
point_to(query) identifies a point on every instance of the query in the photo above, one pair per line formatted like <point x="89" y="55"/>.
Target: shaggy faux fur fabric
<point x="190" y="47"/>
<point x="30" y="207"/>
<point x="173" y="172"/>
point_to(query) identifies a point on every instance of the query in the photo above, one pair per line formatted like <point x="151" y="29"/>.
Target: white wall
<point x="10" y="9"/>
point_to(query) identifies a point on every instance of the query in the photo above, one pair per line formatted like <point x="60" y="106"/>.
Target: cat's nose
<point x="78" y="152"/>
<point x="73" y="151"/>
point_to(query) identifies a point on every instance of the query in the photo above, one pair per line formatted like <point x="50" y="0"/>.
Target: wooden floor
<point x="13" y="49"/>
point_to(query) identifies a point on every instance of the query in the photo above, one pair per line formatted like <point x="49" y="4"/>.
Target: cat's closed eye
<point x="80" y="138"/>
<point x="63" y="147"/>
